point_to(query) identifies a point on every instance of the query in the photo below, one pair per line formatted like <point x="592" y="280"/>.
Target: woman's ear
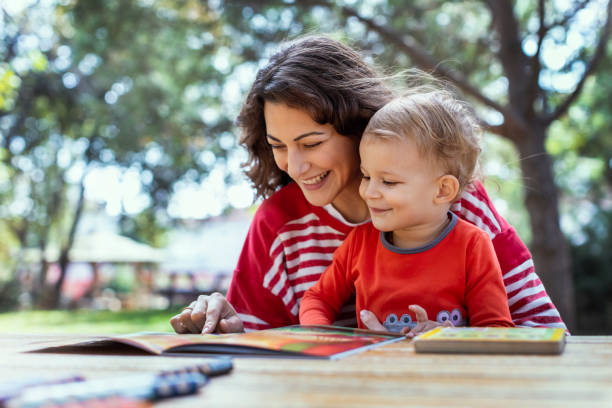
<point x="448" y="187"/>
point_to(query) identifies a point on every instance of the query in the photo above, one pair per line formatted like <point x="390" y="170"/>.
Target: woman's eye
<point x="363" y="176"/>
<point x="276" y="147"/>
<point x="389" y="183"/>
<point x="311" y="145"/>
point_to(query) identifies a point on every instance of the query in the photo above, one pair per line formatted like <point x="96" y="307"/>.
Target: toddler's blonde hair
<point x="443" y="128"/>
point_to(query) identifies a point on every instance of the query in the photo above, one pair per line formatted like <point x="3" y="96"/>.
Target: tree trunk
<point x="64" y="258"/>
<point x="549" y="247"/>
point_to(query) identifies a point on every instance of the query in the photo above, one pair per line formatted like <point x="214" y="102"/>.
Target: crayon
<point x="209" y="368"/>
<point x="138" y="387"/>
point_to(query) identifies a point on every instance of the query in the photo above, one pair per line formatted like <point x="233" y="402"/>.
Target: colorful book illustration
<point x="291" y="341"/>
<point x="499" y="340"/>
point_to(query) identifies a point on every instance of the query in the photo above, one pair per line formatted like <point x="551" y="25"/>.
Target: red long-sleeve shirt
<point x="456" y="277"/>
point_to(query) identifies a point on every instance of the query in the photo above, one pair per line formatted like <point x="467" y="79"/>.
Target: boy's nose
<point x="371" y="190"/>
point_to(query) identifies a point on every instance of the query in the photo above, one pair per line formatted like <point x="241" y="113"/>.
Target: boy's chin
<point x="381" y="227"/>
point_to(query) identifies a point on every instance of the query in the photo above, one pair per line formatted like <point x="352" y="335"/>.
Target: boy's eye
<point x="389" y="183"/>
<point x="363" y="176"/>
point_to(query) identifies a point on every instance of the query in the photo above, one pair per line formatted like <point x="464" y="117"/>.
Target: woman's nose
<point x="297" y="163"/>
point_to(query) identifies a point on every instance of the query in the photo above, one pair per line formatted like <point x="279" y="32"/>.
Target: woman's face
<point x="322" y="162"/>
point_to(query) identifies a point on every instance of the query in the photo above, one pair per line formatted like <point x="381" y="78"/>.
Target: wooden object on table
<point x="392" y="376"/>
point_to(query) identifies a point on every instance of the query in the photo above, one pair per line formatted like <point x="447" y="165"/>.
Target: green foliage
<point x="86" y="321"/>
<point x="120" y="84"/>
<point x="9" y="294"/>
<point x="592" y="266"/>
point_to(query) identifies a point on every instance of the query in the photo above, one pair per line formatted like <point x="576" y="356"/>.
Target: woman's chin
<point x="316" y="198"/>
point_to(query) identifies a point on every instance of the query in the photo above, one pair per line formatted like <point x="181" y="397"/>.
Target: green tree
<point x="99" y="84"/>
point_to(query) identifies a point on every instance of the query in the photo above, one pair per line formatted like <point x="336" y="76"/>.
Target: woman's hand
<point x="423" y="323"/>
<point x="208" y="314"/>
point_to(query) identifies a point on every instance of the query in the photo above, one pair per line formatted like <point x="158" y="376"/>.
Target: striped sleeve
<point x="300" y="253"/>
<point x="277" y="266"/>
<point x="530" y="305"/>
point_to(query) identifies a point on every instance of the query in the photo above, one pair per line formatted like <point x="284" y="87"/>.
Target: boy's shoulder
<point x="363" y="232"/>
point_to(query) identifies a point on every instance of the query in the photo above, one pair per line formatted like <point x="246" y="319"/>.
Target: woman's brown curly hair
<point x="322" y="76"/>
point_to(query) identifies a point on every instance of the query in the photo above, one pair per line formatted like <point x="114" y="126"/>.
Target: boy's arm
<point x="485" y="296"/>
<point x="322" y="302"/>
<point x="529" y="303"/>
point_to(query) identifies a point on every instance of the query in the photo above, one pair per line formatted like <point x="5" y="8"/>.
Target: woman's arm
<point x="485" y="294"/>
<point x="249" y="304"/>
<point x="322" y="302"/>
<point x="530" y="305"/>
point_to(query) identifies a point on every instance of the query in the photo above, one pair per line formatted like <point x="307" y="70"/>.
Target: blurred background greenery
<point x="118" y="115"/>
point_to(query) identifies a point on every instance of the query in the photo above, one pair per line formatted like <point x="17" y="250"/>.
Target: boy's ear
<point x="448" y="187"/>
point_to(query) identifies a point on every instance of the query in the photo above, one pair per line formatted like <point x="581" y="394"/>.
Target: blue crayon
<point x="209" y="368"/>
<point x="137" y="387"/>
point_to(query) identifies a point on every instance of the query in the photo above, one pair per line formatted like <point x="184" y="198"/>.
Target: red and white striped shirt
<point x="291" y="242"/>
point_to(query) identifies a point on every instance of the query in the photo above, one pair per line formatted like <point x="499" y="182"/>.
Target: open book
<point x="502" y="340"/>
<point x="291" y="341"/>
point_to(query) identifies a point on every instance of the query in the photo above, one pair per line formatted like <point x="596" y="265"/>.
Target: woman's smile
<point x="316" y="181"/>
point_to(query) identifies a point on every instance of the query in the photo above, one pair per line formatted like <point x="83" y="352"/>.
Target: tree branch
<point x="569" y="15"/>
<point x="423" y="60"/>
<point x="511" y="53"/>
<point x="600" y="52"/>
<point x="535" y="64"/>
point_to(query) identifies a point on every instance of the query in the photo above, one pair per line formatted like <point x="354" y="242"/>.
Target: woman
<point x="302" y="121"/>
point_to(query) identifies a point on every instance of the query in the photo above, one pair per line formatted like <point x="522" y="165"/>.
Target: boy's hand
<point x="423" y="323"/>
<point x="370" y="321"/>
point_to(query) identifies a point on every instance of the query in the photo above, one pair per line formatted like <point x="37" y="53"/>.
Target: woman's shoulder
<point x="288" y="207"/>
<point x="286" y="202"/>
<point x="476" y="206"/>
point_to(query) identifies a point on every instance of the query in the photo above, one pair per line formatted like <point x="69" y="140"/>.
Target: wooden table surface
<point x="391" y="375"/>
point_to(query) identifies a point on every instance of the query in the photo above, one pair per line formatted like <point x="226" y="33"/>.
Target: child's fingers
<point x="370" y="321"/>
<point x="419" y="312"/>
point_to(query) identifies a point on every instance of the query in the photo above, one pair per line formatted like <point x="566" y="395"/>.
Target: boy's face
<point x="399" y="185"/>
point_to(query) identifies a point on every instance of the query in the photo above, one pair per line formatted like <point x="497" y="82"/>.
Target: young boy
<point x="417" y="154"/>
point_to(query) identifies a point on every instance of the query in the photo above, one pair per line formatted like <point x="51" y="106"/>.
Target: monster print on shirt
<point x="393" y="324"/>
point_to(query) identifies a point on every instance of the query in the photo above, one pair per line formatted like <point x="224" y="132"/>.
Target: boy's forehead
<point x="373" y="139"/>
<point x="397" y="154"/>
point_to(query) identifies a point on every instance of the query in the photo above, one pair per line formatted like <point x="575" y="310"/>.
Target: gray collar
<point x="443" y="234"/>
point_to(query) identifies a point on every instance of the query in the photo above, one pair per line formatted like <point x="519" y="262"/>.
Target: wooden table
<point x="392" y="375"/>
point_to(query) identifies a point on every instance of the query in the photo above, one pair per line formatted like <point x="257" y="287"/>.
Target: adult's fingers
<point x="217" y="305"/>
<point x="419" y="312"/>
<point x="232" y="324"/>
<point x="175" y="322"/>
<point x="198" y="315"/>
<point x="187" y="322"/>
<point x="370" y="321"/>
<point x="178" y="322"/>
